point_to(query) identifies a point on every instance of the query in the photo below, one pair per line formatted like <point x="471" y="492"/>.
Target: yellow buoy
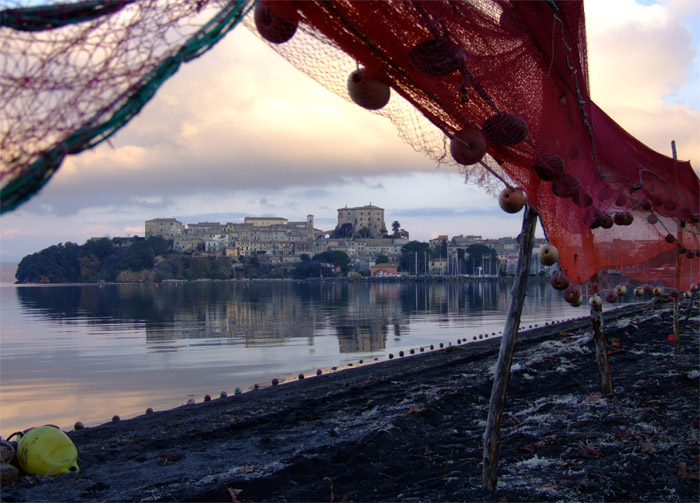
<point x="46" y="450"/>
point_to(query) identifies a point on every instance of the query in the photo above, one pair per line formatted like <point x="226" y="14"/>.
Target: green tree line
<point x="117" y="260"/>
<point x="152" y="260"/>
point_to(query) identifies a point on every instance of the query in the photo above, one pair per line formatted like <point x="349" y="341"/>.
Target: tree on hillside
<point x="113" y="264"/>
<point x="441" y="249"/>
<point x="253" y="261"/>
<point x="481" y="256"/>
<point x="140" y="256"/>
<point x="307" y="269"/>
<point x="335" y="258"/>
<point x="99" y="248"/>
<point x="381" y="259"/>
<point x="461" y="261"/>
<point x="97" y="260"/>
<point x="55" y="264"/>
<point x="171" y="267"/>
<point x="160" y="245"/>
<point x="89" y="267"/>
<point x="363" y="233"/>
<point x="414" y="253"/>
<point x="343" y="231"/>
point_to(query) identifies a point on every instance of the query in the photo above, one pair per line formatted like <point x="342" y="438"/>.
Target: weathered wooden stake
<point x="601" y="352"/>
<point x="690" y="307"/>
<point x="676" y="327"/>
<point x="526" y="242"/>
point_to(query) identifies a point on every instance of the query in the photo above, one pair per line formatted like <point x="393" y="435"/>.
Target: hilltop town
<point x="361" y="233"/>
<point x="360" y="245"/>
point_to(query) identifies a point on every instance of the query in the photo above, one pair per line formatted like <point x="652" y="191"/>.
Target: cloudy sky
<point x="241" y="132"/>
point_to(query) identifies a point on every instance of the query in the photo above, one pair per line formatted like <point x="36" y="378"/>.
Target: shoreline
<point x="410" y="429"/>
<point x="231" y="360"/>
<point x="415" y="279"/>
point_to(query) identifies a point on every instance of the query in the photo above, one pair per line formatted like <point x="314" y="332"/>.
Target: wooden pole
<point x="690" y="308"/>
<point x="601" y="352"/>
<point x="676" y="327"/>
<point x="526" y="242"/>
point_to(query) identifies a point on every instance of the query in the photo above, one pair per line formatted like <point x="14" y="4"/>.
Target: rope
<point x="579" y="95"/>
<point x="48" y="17"/>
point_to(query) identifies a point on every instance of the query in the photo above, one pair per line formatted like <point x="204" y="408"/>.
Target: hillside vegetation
<point x="128" y="260"/>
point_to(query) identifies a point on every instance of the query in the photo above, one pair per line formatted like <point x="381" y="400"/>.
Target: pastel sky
<point x="241" y="132"/>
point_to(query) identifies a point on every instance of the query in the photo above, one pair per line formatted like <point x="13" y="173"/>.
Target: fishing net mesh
<point x="508" y="77"/>
<point x="73" y="73"/>
<point x="516" y="72"/>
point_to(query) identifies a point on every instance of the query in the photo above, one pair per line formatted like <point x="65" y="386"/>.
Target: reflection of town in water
<point x="362" y="315"/>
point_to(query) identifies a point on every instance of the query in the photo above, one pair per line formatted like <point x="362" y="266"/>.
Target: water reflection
<point x="88" y="352"/>
<point x="259" y="314"/>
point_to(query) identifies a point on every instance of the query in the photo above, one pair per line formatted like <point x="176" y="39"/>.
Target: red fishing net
<point x="499" y="86"/>
<point x="509" y="78"/>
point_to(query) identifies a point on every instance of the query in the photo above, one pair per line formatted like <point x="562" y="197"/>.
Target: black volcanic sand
<point x="410" y="429"/>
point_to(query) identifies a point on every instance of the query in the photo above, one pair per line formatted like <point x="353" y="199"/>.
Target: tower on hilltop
<point x="364" y="221"/>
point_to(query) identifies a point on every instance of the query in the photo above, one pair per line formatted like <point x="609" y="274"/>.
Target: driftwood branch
<point x="526" y="242"/>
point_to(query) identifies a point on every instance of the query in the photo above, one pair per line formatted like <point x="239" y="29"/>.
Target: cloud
<point x="441" y="204"/>
<point x="235" y="217"/>
<point x="67" y="200"/>
<point x="241" y="132"/>
<point x="315" y="192"/>
<point x="153" y="203"/>
<point x="96" y="229"/>
<point x="640" y="56"/>
<point x="238" y="118"/>
<point x="431" y="212"/>
<point x="13" y="233"/>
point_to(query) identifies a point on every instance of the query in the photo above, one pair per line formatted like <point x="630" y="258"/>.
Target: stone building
<point x="384" y="271"/>
<point x="368" y="217"/>
<point x="167" y="228"/>
<point x="265" y="221"/>
<point x="205" y="230"/>
<point x="285" y="240"/>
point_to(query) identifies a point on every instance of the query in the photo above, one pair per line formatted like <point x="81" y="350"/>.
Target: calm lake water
<point x="70" y="353"/>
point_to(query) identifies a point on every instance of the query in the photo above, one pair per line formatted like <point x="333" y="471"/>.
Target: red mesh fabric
<point x="518" y="72"/>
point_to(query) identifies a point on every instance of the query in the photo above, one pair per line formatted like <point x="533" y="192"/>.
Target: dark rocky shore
<point x="410" y="429"/>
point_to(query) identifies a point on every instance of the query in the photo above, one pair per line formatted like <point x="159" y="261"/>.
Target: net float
<point x="571" y="294"/>
<point x="46" y="450"/>
<point x="548" y="255"/>
<point x="611" y="297"/>
<point x="435" y="57"/>
<point x="511" y="200"/>
<point x="271" y="26"/>
<point x="505" y="129"/>
<point x="468" y="146"/>
<point x="595" y="302"/>
<point x="549" y="167"/>
<point x="367" y="90"/>
<point x="559" y="280"/>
